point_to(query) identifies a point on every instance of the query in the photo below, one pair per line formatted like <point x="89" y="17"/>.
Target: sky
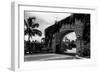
<point x="45" y="19"/>
<point x="71" y="36"/>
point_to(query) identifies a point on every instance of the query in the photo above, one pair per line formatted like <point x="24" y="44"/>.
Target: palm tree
<point x="30" y="30"/>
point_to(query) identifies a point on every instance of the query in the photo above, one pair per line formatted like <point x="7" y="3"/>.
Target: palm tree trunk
<point x="29" y="44"/>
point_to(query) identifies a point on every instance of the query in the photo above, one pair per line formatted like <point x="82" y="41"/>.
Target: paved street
<point x="43" y="57"/>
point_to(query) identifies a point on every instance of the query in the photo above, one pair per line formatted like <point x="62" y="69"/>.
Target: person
<point x="67" y="41"/>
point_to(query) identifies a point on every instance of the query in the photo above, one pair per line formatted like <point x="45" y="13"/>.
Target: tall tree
<point x="31" y="31"/>
<point x="30" y="28"/>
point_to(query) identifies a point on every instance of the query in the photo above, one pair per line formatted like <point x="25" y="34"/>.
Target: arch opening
<point x="68" y="42"/>
<point x="65" y="41"/>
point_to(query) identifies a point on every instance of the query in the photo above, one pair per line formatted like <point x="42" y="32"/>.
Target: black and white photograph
<point x="56" y="36"/>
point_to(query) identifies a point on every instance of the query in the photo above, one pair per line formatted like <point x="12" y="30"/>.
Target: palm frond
<point x="26" y="32"/>
<point x="37" y="32"/>
<point x="35" y="25"/>
<point x="25" y="23"/>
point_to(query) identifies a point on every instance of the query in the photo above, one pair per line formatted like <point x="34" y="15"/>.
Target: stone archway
<point x="68" y="42"/>
<point x="57" y="41"/>
<point x="59" y="37"/>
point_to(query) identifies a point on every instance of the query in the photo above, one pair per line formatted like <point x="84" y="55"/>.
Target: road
<point x="45" y="57"/>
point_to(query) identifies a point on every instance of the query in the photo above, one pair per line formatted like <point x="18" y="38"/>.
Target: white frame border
<point x="17" y="63"/>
